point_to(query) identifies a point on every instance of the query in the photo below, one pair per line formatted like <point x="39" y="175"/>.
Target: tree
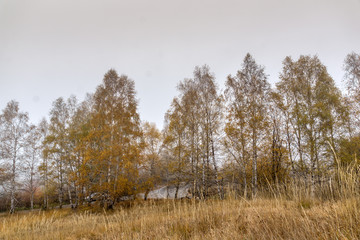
<point x="78" y="129"/>
<point x="349" y="147"/>
<point x="57" y="143"/>
<point x="13" y="130"/>
<point x="44" y="168"/>
<point x="278" y="134"/>
<point x="175" y="145"/>
<point x="210" y="109"/>
<point x="247" y="95"/>
<point x="186" y="111"/>
<point x="114" y="137"/>
<point x="193" y="131"/>
<point x="33" y="149"/>
<point x="352" y="76"/>
<point x="151" y="154"/>
<point x="314" y="111"/>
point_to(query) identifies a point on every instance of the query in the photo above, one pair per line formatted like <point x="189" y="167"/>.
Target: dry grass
<point x="334" y="213"/>
<point x="213" y="219"/>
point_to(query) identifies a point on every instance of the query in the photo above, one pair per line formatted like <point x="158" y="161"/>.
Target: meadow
<point x="287" y="212"/>
<point x="232" y="218"/>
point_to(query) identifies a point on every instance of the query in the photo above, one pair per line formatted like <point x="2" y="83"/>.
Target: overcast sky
<point x="52" y="48"/>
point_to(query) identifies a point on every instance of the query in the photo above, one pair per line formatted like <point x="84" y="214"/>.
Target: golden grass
<point x="212" y="219"/>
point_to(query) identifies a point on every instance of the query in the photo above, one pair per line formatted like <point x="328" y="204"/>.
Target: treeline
<point x="248" y="138"/>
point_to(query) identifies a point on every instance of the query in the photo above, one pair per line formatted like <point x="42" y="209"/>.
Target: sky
<point x="51" y="48"/>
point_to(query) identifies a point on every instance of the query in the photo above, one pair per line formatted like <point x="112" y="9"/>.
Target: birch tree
<point x="248" y="96"/>
<point x="31" y="162"/>
<point x="315" y="110"/>
<point x="44" y="168"/>
<point x="175" y="145"/>
<point x="78" y="129"/>
<point x="193" y="131"/>
<point x="352" y="80"/>
<point x="114" y="138"/>
<point x="150" y="165"/>
<point x="210" y="112"/>
<point x="57" y="142"/>
<point x="13" y="130"/>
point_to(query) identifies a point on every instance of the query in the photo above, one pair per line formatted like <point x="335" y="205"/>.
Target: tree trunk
<point x="254" y="190"/>
<point x="31" y="196"/>
<point x="61" y="193"/>
<point x="245" y="181"/>
<point x="32" y="200"/>
<point x="12" y="194"/>
<point x="12" y="201"/>
<point x="70" y="198"/>
<point x="203" y="179"/>
<point x="177" y="190"/>
<point x="216" y="170"/>
<point x="60" y="199"/>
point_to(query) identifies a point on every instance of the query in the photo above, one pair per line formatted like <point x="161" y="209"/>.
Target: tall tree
<point x="44" y="167"/>
<point x="210" y="105"/>
<point x="78" y="129"/>
<point x="193" y="131"/>
<point x="33" y="151"/>
<point x="175" y="145"/>
<point x="189" y="106"/>
<point x="13" y="129"/>
<point x="248" y="95"/>
<point x="277" y="138"/>
<point x="352" y="76"/>
<point x="151" y="162"/>
<point x="314" y="106"/>
<point x="114" y="138"/>
<point x="57" y="142"/>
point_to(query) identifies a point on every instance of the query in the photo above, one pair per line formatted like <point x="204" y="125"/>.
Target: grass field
<point x="213" y="219"/>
